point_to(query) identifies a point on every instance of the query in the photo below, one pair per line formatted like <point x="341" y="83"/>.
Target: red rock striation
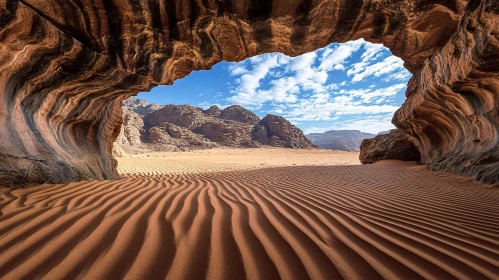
<point x="65" y="67"/>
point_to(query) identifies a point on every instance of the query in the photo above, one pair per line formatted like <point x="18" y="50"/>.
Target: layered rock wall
<point x="65" y="67"/>
<point x="393" y="145"/>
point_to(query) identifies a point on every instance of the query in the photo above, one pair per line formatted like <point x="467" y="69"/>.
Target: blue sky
<point x="355" y="85"/>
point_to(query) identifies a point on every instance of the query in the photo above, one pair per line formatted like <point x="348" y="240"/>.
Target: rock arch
<point x="65" y="67"/>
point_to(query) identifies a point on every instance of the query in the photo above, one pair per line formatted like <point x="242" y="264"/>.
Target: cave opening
<point x="67" y="68"/>
<point x="72" y="68"/>
<point x="348" y="90"/>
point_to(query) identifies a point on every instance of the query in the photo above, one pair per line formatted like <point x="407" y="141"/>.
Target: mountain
<point x="140" y="106"/>
<point x="341" y="140"/>
<point x="185" y="127"/>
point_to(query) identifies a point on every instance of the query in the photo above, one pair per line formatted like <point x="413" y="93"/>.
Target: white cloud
<point x="238" y="71"/>
<point x="402" y="75"/>
<point x="301" y="75"/>
<point x="371" y="124"/>
<point x="323" y="106"/>
<point x="371" y="94"/>
<point x="371" y="53"/>
<point x="205" y="105"/>
<point x="299" y="88"/>
<point x="249" y="83"/>
<point x="333" y="59"/>
<point x="388" y="65"/>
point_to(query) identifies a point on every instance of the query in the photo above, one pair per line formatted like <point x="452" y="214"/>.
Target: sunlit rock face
<point x="65" y="67"/>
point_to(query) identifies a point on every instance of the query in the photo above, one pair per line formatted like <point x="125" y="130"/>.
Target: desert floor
<point x="256" y="214"/>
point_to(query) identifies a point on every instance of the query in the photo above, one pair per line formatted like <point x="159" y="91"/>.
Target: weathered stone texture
<point x="185" y="127"/>
<point x="284" y="134"/>
<point x="393" y="145"/>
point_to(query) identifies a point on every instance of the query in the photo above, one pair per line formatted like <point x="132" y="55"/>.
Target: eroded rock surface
<point x="132" y="129"/>
<point x="282" y="133"/>
<point x="393" y="145"/>
<point x="118" y="151"/>
<point x="140" y="106"/>
<point x="67" y="65"/>
<point x="239" y="114"/>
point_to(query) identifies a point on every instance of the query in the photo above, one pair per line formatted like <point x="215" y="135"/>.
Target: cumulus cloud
<point x="333" y="59"/>
<point x="306" y="89"/>
<point x="205" y="105"/>
<point x="323" y="106"/>
<point x="388" y="65"/>
<point x="299" y="75"/>
<point x="238" y="71"/>
<point x="371" y="53"/>
<point x="247" y="91"/>
<point x="371" y="124"/>
<point x="370" y="94"/>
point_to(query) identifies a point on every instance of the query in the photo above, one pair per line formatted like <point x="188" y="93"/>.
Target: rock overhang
<point x="67" y="65"/>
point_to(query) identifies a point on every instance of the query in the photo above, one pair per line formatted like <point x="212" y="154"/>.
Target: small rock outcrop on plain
<point x="394" y="145"/>
<point x="282" y="133"/>
<point x="66" y="66"/>
<point x="184" y="127"/>
<point x="340" y="140"/>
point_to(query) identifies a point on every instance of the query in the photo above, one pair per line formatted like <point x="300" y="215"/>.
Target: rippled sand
<point x="256" y="214"/>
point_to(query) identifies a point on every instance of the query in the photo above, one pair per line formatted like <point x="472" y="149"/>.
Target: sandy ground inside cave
<point x="255" y="214"/>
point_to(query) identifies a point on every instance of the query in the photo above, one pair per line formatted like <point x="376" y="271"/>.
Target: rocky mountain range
<point x="184" y="127"/>
<point x="341" y="140"/>
<point x="140" y="106"/>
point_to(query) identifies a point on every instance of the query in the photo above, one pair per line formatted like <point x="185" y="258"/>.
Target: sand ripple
<point x="392" y="221"/>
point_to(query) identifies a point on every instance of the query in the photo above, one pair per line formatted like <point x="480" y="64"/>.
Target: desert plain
<point x="253" y="214"/>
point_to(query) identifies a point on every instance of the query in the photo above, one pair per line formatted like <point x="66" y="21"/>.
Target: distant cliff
<point x="184" y="127"/>
<point x="341" y="140"/>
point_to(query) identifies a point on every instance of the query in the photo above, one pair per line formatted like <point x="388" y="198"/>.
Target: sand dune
<point x="392" y="220"/>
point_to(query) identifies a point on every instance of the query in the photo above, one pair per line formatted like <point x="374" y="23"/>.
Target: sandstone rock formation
<point x="282" y="133"/>
<point x="184" y="127"/>
<point x="182" y="115"/>
<point x="132" y="129"/>
<point x="239" y="114"/>
<point x="118" y="151"/>
<point x="67" y="65"/>
<point x="394" y="145"/>
<point x="213" y="111"/>
<point x="341" y="140"/>
<point x="140" y="106"/>
<point x="170" y="137"/>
